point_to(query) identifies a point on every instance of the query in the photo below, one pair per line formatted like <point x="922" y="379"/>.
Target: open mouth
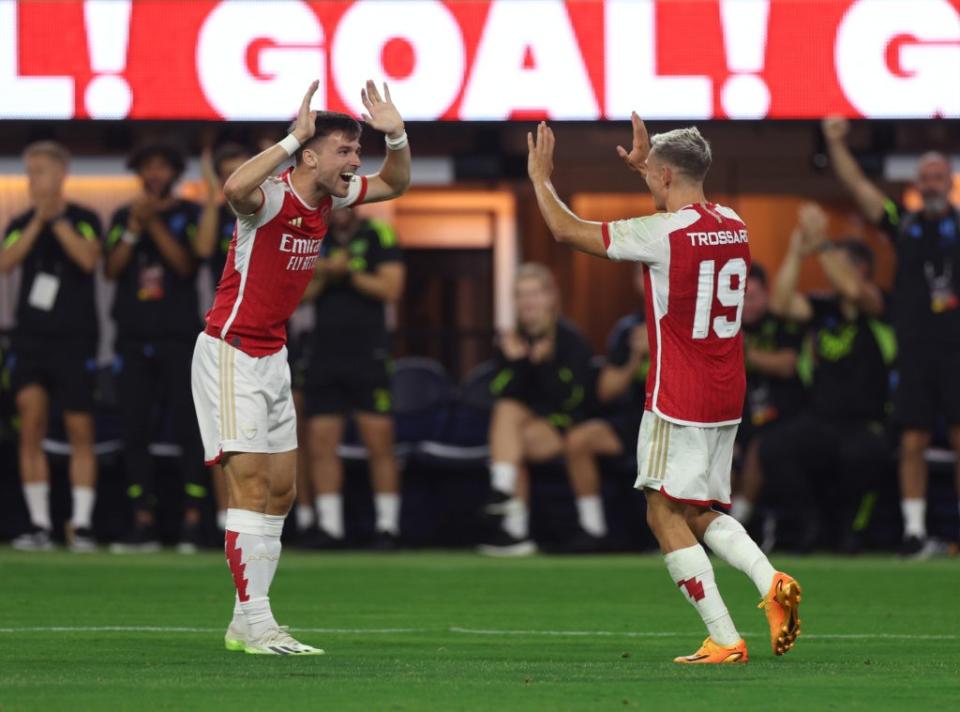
<point x="346" y="177"/>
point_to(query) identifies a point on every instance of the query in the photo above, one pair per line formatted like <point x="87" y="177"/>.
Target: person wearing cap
<point x="150" y="255"/>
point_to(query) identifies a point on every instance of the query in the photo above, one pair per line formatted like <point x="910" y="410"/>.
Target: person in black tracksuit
<point x="57" y="246"/>
<point x="774" y="391"/>
<point x="360" y="270"/>
<point x="837" y="447"/>
<point x="542" y="388"/>
<point x="621" y="398"/>
<point x="926" y="316"/>
<point x="150" y="255"/>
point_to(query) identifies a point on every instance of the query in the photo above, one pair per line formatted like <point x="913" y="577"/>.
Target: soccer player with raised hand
<point x="241" y="380"/>
<point x="696" y="257"/>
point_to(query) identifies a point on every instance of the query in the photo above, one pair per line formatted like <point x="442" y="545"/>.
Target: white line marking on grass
<point x="468" y="631"/>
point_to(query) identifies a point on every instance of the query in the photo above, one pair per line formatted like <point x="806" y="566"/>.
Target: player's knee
<point x="509" y="412"/>
<point x="578" y="443"/>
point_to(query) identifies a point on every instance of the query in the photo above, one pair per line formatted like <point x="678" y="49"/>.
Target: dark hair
<point x="329" y="122"/>
<point x="859" y="252"/>
<point x="227" y="152"/>
<point x="758" y="273"/>
<point x="168" y="151"/>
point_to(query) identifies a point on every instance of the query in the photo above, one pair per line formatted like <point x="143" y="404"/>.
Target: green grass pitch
<point x="453" y="631"/>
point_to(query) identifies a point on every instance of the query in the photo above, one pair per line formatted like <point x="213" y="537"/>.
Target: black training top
<point x="618" y="354"/>
<point x="56" y="295"/>
<point x="152" y="301"/>
<point x="346" y="321"/>
<point x="770" y="398"/>
<point x="926" y="297"/>
<point x="226" y="223"/>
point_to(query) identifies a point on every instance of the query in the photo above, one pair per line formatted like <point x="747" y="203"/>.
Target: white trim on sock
<point x="691" y="570"/>
<point x="306" y="516"/>
<point x="516" y="522"/>
<point x="273" y="525"/>
<point x="914" y="517"/>
<point x="591" y="516"/>
<point x="83" y="501"/>
<point x="387" y="506"/>
<point x="330" y="514"/>
<point x="243" y="521"/>
<point x="503" y="477"/>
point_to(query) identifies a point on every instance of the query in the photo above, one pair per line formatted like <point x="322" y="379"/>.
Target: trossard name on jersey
<point x="719" y="237"/>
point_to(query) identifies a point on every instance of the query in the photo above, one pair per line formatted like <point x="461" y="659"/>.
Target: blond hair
<point x="51" y="149"/>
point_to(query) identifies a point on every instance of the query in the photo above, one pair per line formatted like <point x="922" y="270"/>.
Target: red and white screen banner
<point x="474" y="60"/>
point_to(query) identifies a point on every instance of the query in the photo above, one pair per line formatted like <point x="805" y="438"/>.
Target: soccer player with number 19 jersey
<point x="696" y="257"/>
<point x="241" y="380"/>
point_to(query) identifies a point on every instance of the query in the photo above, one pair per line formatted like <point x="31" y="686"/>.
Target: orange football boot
<point x="712" y="653"/>
<point x="782" y="606"/>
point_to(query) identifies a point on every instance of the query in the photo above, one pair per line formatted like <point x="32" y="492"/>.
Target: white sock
<point x="272" y="531"/>
<point x="37" y="495"/>
<point x="914" y="517"/>
<point x="252" y="558"/>
<point x="330" y="514"/>
<point x="740" y="509"/>
<point x="222" y="519"/>
<point x="83" y="499"/>
<point x="517" y="519"/>
<point x="503" y="477"/>
<point x="590" y="513"/>
<point x="387" y="505"/>
<point x="727" y="538"/>
<point x="305" y="517"/>
<point x="690" y="569"/>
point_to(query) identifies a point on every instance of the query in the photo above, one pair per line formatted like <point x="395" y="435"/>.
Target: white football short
<point x="684" y="462"/>
<point x="244" y="403"/>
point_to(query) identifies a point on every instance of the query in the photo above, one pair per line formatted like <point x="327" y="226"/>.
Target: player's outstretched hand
<point x="305" y="125"/>
<point x="381" y="114"/>
<point x="636" y="158"/>
<point x="540" y="153"/>
<point x="836" y="128"/>
<point x="812" y="223"/>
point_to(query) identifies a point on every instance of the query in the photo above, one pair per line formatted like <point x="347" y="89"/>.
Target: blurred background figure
<point x="621" y="391"/>
<point x="542" y="389"/>
<point x="926" y="315"/>
<point x="53" y="362"/>
<point x="360" y="272"/>
<point x="214" y="237"/>
<point x="150" y="254"/>
<point x="834" y="452"/>
<point x="774" y="390"/>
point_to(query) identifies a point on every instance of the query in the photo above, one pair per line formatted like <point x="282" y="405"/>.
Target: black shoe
<point x="385" y="541"/>
<point x="319" y="540"/>
<point x="141" y="540"/>
<point x="191" y="538"/>
<point x="585" y="543"/>
<point x="917" y="548"/>
<point x="500" y="543"/>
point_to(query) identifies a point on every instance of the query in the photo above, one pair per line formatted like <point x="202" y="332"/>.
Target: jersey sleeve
<point x="88" y="226"/>
<point x="118" y="224"/>
<point x="14" y="230"/>
<point x="893" y="214"/>
<point x="643" y="239"/>
<point x="355" y="193"/>
<point x="273" y="192"/>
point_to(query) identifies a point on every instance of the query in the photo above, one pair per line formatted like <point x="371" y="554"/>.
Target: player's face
<point x="45" y="176"/>
<point x="535" y="306"/>
<point x="228" y="166"/>
<point x="157" y="176"/>
<point x="934" y="183"/>
<point x="333" y="160"/>
<point x="657" y="181"/>
<point x="755" y="301"/>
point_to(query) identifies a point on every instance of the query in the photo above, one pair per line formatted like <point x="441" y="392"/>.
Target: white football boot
<point x="279" y="642"/>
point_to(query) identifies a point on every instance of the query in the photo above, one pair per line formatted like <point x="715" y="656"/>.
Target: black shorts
<point x="297" y="359"/>
<point x="340" y="386"/>
<point x="627" y="429"/>
<point x="929" y="385"/>
<point x="65" y="368"/>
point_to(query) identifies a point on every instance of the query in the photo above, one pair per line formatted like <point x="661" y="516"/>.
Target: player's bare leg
<point x="377" y="434"/>
<point x="780" y="592"/>
<point x="325" y="433"/>
<point x="83" y="479"/>
<point x="583" y="444"/>
<point x="913" y="491"/>
<point x="33" y="405"/>
<point x="262" y="490"/>
<point x="691" y="570"/>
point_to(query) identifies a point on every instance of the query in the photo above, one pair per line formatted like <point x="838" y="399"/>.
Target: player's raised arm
<point x="870" y="199"/>
<point x="636" y="158"/>
<point x="566" y="226"/>
<point x="393" y="178"/>
<point x="242" y="189"/>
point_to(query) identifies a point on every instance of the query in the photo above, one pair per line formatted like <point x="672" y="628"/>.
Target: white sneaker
<point x="235" y="639"/>
<point x="279" y="642"/>
<point x="36" y="539"/>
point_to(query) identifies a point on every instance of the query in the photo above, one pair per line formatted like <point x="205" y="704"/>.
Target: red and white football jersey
<point x="269" y="265"/>
<point x="696" y="262"/>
